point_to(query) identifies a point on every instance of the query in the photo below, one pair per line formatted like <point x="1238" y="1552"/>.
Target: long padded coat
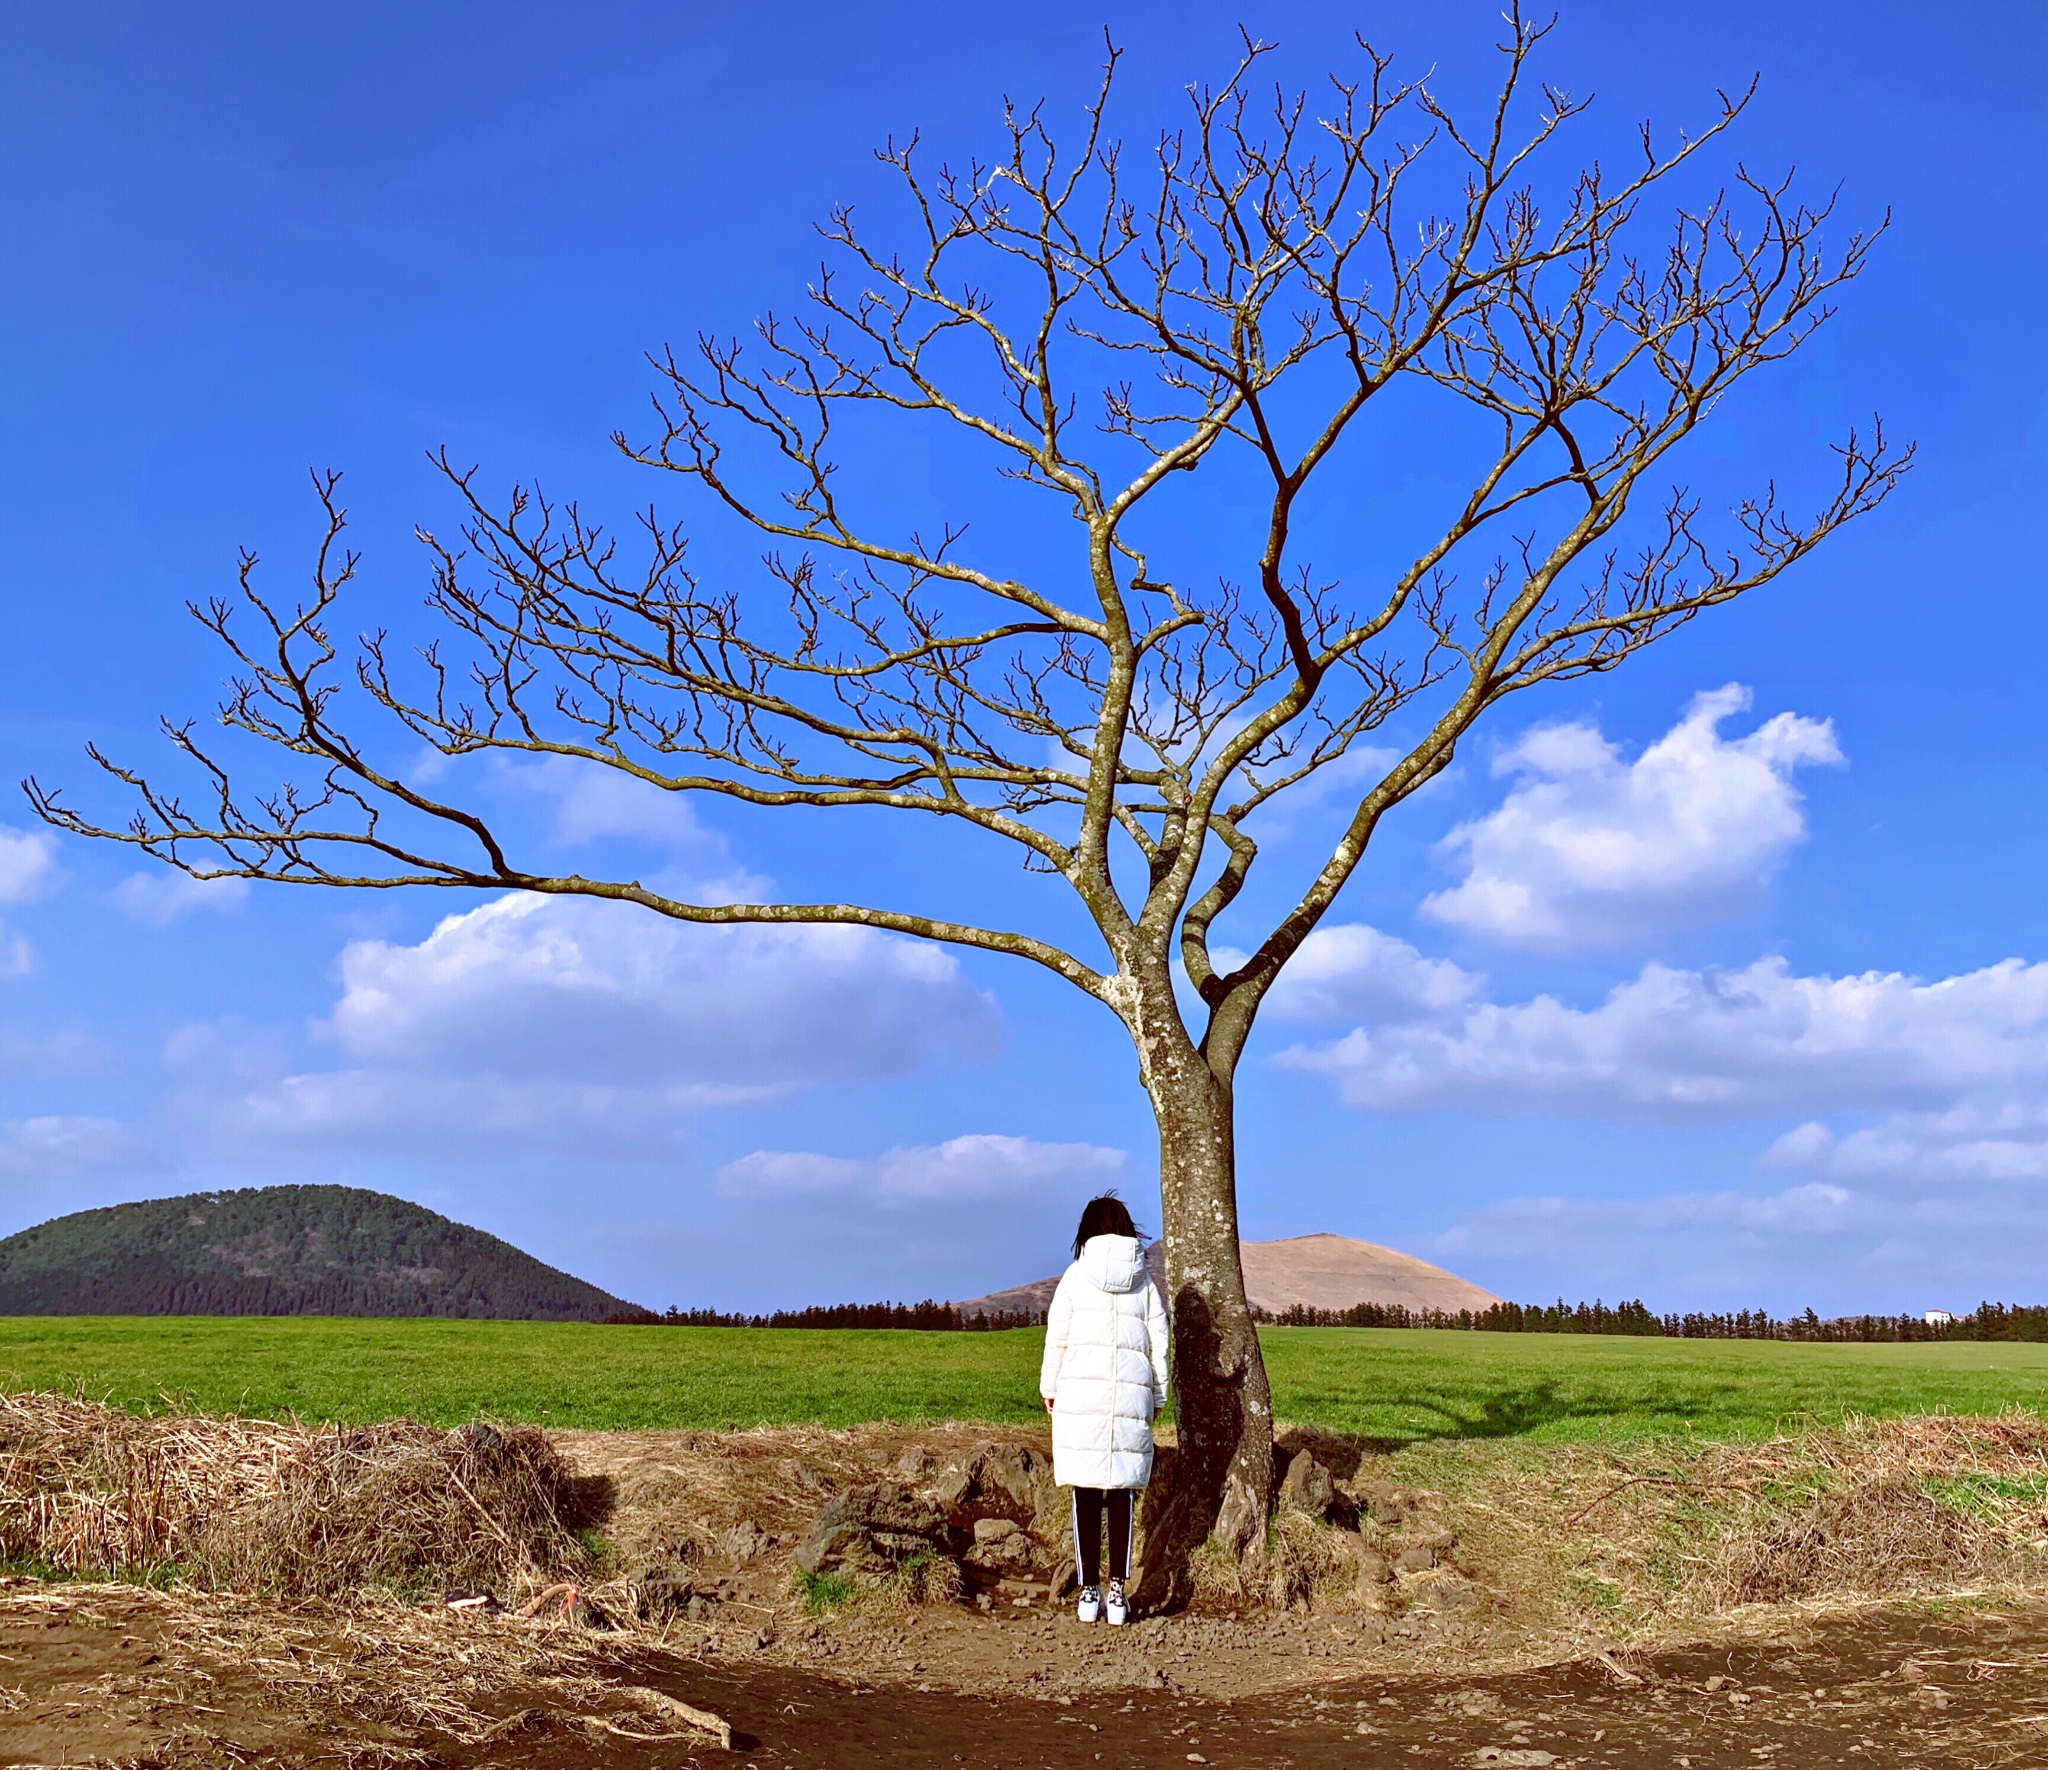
<point x="1105" y="1366"/>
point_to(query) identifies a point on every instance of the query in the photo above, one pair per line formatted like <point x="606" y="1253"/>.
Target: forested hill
<point x="282" y="1250"/>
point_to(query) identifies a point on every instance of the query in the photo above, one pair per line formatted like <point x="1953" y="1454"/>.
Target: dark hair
<point x="1104" y="1216"/>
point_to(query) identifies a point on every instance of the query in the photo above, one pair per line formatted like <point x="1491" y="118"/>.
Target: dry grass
<point x="1540" y="1548"/>
<point x="1658" y="1540"/>
<point x="277" y="1507"/>
<point x="726" y="1496"/>
<point x="455" y="1675"/>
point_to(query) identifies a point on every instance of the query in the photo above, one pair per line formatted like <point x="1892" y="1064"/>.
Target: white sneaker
<point x="1090" y="1606"/>
<point x="1119" y="1611"/>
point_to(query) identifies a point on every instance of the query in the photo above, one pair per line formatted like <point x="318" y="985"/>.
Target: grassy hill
<point x="282" y="1250"/>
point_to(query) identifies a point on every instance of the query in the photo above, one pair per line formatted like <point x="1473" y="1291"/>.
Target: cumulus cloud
<point x="1896" y="1080"/>
<point x="67" y="1147"/>
<point x="568" y="1023"/>
<point x="28" y="870"/>
<point x="1590" y="850"/>
<point x="159" y="897"/>
<point x="963" y="1169"/>
<point x="1842" y="1249"/>
<point x="592" y="802"/>
<point x="28" y="864"/>
<point x="1992" y="1139"/>
<point x="1752" y="1042"/>
<point x="1522" y="1227"/>
<point x="1351" y="970"/>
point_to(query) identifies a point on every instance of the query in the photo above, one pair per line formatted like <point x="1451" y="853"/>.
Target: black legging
<point x="1090" y="1503"/>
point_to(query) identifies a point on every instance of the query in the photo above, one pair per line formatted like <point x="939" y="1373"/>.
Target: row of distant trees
<point x="926" y="1317"/>
<point x="1988" y="1321"/>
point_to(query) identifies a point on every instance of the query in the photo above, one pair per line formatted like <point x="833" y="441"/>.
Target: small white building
<point x="1939" y="1318"/>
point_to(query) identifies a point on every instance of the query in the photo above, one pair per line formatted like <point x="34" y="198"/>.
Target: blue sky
<point x="1792" y="1051"/>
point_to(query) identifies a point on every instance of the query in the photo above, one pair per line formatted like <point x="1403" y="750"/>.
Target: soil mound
<point x="1314" y="1271"/>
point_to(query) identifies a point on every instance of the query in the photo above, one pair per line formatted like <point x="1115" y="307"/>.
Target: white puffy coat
<point x="1105" y="1366"/>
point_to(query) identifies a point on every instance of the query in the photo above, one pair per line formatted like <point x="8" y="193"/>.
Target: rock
<point x="746" y="1539"/>
<point x="1415" y="1560"/>
<point x="1454" y="1593"/>
<point x="1373" y="1569"/>
<point x="1384" y="1501"/>
<point x="1014" y="1474"/>
<point x="875" y="1528"/>
<point x="956" y="1484"/>
<point x="1308" y="1487"/>
<point x="663" y="1592"/>
<point x="991" y="1530"/>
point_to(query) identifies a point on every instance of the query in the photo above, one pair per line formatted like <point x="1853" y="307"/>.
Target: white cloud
<point x="1749" y="1043"/>
<point x="592" y="802"/>
<point x="599" y="1028"/>
<point x="28" y="864"/>
<point x="60" y="1147"/>
<point x="159" y="897"/>
<point x="785" y="1173"/>
<point x="1992" y="1139"/>
<point x="28" y="870"/>
<point x="1533" y="1228"/>
<point x="963" y="1169"/>
<point x="1588" y="850"/>
<point x="1940" y="1082"/>
<point x="1840" y="1249"/>
<point x="1349" y="969"/>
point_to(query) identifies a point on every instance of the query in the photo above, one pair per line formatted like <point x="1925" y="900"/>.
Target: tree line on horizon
<point x="1988" y="1321"/>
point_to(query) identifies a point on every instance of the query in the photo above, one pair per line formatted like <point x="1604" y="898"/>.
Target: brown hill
<point x="1316" y="1271"/>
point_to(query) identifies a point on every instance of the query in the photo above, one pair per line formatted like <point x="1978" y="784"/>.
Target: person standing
<point x="1103" y="1380"/>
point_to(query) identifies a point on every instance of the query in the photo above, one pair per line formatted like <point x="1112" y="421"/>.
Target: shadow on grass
<point x="1521" y="1412"/>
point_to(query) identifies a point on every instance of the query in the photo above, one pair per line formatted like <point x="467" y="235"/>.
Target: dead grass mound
<point x="1885" y="1507"/>
<point x="276" y="1506"/>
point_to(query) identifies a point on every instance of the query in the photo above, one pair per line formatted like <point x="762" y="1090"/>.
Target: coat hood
<point x="1114" y="1262"/>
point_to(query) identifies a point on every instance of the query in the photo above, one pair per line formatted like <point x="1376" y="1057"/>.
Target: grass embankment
<point x="1393" y="1386"/>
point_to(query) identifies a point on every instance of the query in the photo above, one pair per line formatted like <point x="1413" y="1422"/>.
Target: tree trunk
<point x="1220" y="1484"/>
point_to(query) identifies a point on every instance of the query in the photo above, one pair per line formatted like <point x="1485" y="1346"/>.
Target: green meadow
<point x="1396" y="1386"/>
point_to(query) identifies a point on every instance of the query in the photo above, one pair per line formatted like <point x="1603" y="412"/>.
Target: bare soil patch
<point x="119" y="1677"/>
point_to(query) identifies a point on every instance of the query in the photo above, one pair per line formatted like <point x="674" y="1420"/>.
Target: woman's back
<point x="1105" y="1366"/>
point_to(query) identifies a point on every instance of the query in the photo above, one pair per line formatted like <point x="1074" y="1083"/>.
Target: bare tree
<point x="1100" y="323"/>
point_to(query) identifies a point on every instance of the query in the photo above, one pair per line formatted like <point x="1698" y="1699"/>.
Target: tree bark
<point x="1220" y="1482"/>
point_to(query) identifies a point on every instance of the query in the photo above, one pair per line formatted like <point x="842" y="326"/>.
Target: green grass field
<point x="1392" y="1385"/>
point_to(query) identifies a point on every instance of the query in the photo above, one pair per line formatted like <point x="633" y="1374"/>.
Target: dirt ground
<point x="1867" y="1596"/>
<point x="114" y="1676"/>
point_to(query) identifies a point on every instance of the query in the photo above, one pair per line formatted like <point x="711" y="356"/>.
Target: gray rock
<point x="1308" y="1487"/>
<point x="956" y="1484"/>
<point x="1385" y="1502"/>
<point x="664" y="1592"/>
<point x="1014" y="1473"/>
<point x="875" y="1528"/>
